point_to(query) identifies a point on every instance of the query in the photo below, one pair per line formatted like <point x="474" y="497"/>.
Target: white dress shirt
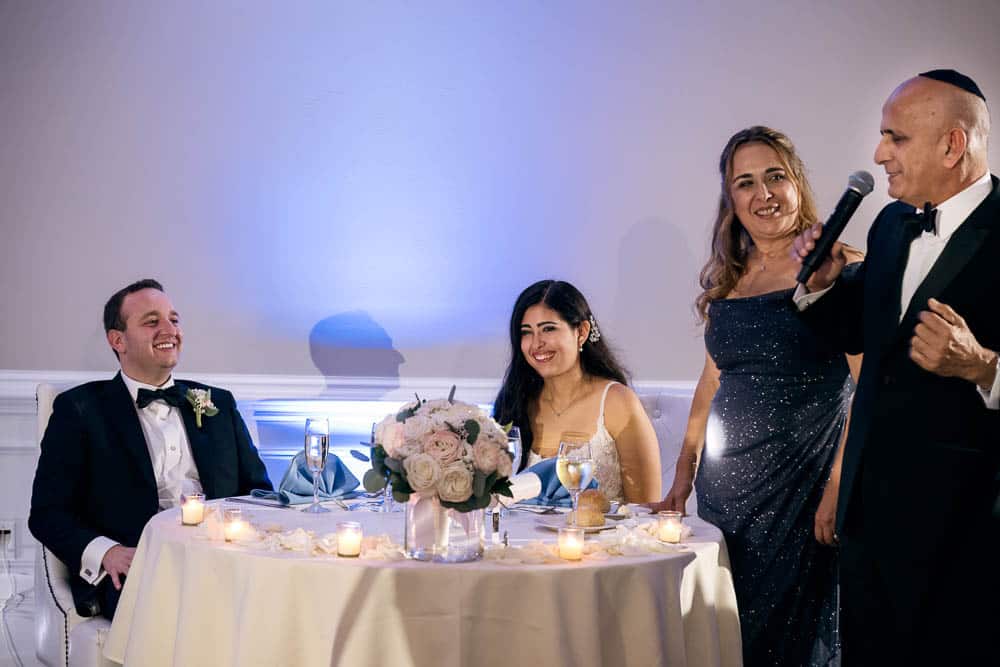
<point x="173" y="466"/>
<point x="924" y="252"/>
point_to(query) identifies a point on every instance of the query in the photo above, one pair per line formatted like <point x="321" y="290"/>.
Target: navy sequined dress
<point x="773" y="430"/>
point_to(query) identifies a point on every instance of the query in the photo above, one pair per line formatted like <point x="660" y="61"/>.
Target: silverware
<point x="263" y="503"/>
<point x="535" y="509"/>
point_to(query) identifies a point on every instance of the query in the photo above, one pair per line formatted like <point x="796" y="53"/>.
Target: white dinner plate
<point x="557" y="522"/>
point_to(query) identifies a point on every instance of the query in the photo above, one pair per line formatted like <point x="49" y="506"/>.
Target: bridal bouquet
<point x="442" y="448"/>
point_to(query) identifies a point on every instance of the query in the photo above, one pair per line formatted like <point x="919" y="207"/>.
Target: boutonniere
<point x="201" y="401"/>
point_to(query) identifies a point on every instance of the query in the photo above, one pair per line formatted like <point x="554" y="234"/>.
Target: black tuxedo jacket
<point x="921" y="459"/>
<point x="95" y="476"/>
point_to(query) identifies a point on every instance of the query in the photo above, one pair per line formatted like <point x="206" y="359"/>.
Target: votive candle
<point x="349" y="539"/>
<point x="669" y="526"/>
<point x="193" y="509"/>
<point x="571" y="543"/>
<point x="233" y="525"/>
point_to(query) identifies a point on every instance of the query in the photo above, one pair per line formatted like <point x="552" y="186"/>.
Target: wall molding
<point x="17" y="387"/>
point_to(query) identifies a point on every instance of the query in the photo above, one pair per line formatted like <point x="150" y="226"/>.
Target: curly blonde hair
<point x="730" y="241"/>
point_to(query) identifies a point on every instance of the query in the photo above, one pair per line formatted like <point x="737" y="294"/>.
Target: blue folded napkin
<point x="296" y="487"/>
<point x="553" y="492"/>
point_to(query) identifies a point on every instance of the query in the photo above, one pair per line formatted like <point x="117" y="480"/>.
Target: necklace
<point x="576" y="397"/>
<point x="766" y="257"/>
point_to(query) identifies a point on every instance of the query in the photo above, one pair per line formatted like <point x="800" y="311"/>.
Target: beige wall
<point x="406" y="168"/>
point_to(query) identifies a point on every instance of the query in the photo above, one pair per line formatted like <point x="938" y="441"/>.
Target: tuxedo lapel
<point x="960" y="250"/>
<point x="884" y="299"/>
<point x="200" y="443"/>
<point x="119" y="412"/>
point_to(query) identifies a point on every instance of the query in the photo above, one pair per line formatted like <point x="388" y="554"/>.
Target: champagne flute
<point x="574" y="466"/>
<point x="317" y="446"/>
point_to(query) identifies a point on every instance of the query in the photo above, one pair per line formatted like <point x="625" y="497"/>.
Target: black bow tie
<point x="925" y="221"/>
<point x="172" y="395"/>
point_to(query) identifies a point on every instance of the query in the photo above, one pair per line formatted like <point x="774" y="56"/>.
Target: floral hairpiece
<point x="595" y="332"/>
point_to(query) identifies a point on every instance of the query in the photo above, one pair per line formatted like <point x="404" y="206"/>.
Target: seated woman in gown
<point x="764" y="437"/>
<point x="563" y="378"/>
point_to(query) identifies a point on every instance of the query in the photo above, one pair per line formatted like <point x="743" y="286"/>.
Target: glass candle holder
<point x="669" y="526"/>
<point x="193" y="509"/>
<point x="571" y="543"/>
<point x="349" y="539"/>
<point x="233" y="525"/>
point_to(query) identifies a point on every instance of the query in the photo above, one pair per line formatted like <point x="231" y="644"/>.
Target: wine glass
<point x="514" y="445"/>
<point x="316" y="448"/>
<point x="574" y="466"/>
<point x="514" y="449"/>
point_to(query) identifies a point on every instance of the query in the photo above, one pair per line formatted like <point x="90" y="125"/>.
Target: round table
<point x="192" y="601"/>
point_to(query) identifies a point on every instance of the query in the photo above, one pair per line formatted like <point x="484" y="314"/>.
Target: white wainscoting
<point x="274" y="407"/>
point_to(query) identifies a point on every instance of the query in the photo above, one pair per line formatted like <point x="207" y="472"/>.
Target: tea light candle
<point x="232" y="524"/>
<point x="193" y="509"/>
<point x="349" y="539"/>
<point x="571" y="543"/>
<point x="669" y="526"/>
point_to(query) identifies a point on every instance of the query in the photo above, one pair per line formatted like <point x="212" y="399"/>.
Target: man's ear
<point x="116" y="339"/>
<point x="957" y="141"/>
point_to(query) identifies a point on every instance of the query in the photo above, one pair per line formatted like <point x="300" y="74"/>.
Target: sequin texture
<point x="773" y="430"/>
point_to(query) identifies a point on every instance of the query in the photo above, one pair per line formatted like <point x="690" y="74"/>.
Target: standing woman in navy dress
<point x="764" y="435"/>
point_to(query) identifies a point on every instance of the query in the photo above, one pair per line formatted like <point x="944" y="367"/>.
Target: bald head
<point x="934" y="140"/>
<point x="951" y="107"/>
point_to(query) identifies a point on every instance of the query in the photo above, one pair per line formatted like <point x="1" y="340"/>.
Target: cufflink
<point x="88" y="573"/>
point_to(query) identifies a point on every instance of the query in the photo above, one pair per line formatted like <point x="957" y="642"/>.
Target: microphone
<point x="859" y="185"/>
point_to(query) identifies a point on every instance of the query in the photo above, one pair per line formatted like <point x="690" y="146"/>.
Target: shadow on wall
<point x="658" y="278"/>
<point x="349" y="344"/>
<point x="352" y="344"/>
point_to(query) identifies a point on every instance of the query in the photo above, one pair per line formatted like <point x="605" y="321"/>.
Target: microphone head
<point x="862" y="182"/>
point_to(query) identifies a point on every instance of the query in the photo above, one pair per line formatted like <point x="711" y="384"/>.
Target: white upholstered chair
<point x="63" y="638"/>
<point x="668" y="411"/>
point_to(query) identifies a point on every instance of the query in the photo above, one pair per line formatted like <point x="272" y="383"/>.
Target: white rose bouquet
<point x="442" y="448"/>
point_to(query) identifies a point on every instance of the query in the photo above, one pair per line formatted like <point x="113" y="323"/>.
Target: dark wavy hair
<point x="521" y="383"/>
<point x="113" y="308"/>
<point x="730" y="241"/>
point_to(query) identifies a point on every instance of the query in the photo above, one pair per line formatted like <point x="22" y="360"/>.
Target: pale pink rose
<point x="486" y="455"/>
<point x="392" y="438"/>
<point x="505" y="466"/>
<point x="455" y="485"/>
<point x="408" y="448"/>
<point x="422" y="472"/>
<point x="416" y="427"/>
<point x="444" y="446"/>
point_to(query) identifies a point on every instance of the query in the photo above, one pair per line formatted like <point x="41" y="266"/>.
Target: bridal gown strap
<point x="607" y="468"/>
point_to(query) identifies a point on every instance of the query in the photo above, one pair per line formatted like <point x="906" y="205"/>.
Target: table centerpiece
<point x="444" y="459"/>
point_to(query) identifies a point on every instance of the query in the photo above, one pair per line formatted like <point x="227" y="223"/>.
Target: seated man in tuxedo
<point x="118" y="451"/>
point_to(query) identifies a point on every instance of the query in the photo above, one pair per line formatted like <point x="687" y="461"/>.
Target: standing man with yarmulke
<point x="118" y="451"/>
<point x="917" y="517"/>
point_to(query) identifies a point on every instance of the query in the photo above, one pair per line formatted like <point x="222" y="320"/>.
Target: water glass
<point x="574" y="466"/>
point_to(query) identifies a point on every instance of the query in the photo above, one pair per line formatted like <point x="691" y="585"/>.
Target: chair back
<point x="63" y="638"/>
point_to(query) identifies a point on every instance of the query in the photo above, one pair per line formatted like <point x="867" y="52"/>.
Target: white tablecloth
<point x="189" y="602"/>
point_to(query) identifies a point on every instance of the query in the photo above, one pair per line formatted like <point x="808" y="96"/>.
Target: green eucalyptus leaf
<point x="472" y="428"/>
<point x="373" y="481"/>
<point x="398" y="481"/>
<point x="399" y="496"/>
<point x="394" y="465"/>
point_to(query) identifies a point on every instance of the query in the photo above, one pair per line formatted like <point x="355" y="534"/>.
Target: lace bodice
<point x="607" y="469"/>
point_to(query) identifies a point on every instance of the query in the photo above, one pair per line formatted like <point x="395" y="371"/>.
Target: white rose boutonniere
<point x="201" y="401"/>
